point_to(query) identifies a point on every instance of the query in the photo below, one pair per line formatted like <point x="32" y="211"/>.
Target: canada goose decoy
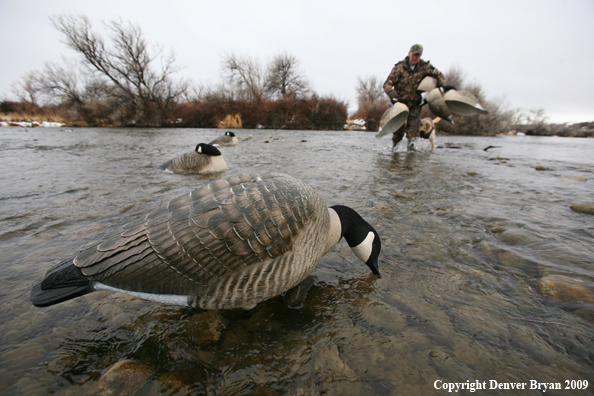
<point x="463" y="103"/>
<point x="232" y="243"/>
<point x="228" y="139"/>
<point x="204" y="159"/>
<point x="490" y="147"/>
<point x="427" y="84"/>
<point x="393" y="119"/>
<point x="437" y="104"/>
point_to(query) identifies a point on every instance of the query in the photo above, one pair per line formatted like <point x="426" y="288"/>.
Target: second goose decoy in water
<point x="204" y="159"/>
<point x="232" y="243"/>
<point x="228" y="139"/>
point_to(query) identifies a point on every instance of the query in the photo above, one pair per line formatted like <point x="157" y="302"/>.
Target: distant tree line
<point x="118" y="80"/>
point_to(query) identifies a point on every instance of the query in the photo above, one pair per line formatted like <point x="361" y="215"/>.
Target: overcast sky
<point x="527" y="54"/>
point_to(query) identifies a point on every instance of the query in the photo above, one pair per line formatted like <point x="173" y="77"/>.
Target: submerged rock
<point x="561" y="288"/>
<point x="171" y="383"/>
<point x="127" y="207"/>
<point x="576" y="178"/>
<point x="585" y="313"/>
<point x="126" y="377"/>
<point x="587" y="208"/>
<point x="516" y="235"/>
<point x="204" y="328"/>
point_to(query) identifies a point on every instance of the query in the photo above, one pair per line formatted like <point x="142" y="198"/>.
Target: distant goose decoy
<point x="232" y="243"/>
<point x="204" y="159"/>
<point x="228" y="139"/>
<point x="490" y="147"/>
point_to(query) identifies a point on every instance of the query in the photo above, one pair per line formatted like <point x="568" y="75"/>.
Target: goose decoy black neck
<point x="362" y="238"/>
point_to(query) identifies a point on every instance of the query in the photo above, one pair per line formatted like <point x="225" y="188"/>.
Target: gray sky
<point x="527" y="54"/>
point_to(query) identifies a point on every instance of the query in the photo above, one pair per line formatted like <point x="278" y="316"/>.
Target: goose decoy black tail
<point x="62" y="282"/>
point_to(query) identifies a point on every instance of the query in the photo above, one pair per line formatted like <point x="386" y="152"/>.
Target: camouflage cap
<point x="416" y="49"/>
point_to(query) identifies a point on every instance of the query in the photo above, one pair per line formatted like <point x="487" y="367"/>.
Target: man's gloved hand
<point x="393" y="96"/>
<point x="446" y="88"/>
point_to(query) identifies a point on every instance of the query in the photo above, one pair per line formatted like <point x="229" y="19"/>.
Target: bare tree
<point x="28" y="90"/>
<point x="244" y="78"/>
<point x="455" y="76"/>
<point x="61" y="84"/>
<point x="530" y="117"/>
<point x="369" y="90"/>
<point x="498" y="119"/>
<point x="283" y="78"/>
<point x="372" y="101"/>
<point x="127" y="64"/>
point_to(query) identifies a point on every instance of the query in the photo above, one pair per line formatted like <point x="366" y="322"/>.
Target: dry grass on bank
<point x="25" y="117"/>
<point x="231" y="122"/>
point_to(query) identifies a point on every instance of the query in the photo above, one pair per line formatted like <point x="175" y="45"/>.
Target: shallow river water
<point x="488" y="275"/>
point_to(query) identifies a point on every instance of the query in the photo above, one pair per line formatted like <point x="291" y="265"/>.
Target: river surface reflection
<point x="475" y="246"/>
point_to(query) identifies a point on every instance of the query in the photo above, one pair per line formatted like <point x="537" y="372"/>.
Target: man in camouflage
<point x="401" y="86"/>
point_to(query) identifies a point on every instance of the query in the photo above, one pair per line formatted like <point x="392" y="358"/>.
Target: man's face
<point x="413" y="59"/>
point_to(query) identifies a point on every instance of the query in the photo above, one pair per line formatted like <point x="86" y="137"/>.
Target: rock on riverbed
<point x="561" y="288"/>
<point x="126" y="377"/>
<point x="587" y="208"/>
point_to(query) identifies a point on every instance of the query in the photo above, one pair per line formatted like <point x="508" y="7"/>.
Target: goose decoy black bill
<point x="205" y="158"/>
<point x="232" y="243"/>
<point x="228" y="139"/>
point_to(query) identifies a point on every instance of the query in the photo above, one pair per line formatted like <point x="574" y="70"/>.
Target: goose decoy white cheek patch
<point x="364" y="249"/>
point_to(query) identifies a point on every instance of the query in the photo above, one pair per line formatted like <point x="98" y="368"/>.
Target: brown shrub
<point x="372" y="113"/>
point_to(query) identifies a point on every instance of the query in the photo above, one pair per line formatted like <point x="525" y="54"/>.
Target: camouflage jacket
<point x="402" y="82"/>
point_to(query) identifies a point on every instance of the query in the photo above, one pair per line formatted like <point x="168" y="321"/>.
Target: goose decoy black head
<point x="232" y="243"/>
<point x="204" y="159"/>
<point x="207" y="149"/>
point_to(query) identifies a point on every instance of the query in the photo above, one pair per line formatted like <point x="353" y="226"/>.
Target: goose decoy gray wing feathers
<point x="228" y="139"/>
<point x="204" y="159"/>
<point x="235" y="242"/>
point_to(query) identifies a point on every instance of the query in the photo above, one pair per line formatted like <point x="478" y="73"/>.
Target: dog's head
<point x="427" y="129"/>
<point x="427" y="126"/>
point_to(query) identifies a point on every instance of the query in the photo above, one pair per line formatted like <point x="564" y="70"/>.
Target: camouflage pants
<point x="411" y="128"/>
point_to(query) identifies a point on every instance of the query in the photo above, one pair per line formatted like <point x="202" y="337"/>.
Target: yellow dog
<point x="428" y="129"/>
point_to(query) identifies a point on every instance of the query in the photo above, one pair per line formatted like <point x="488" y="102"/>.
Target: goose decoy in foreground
<point x="228" y="139"/>
<point x="204" y="159"/>
<point x="232" y="243"/>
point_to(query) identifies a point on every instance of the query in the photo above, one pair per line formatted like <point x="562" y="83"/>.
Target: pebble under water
<point x="488" y="275"/>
